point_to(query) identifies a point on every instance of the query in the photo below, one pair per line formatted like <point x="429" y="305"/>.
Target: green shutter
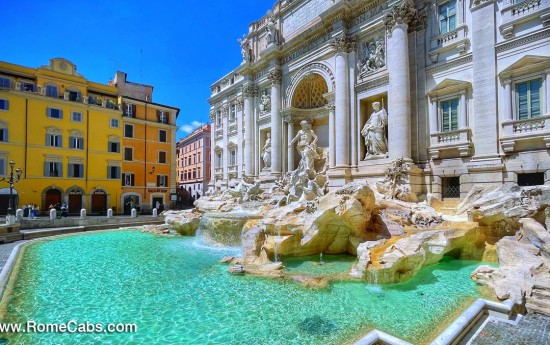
<point x="535" y="97"/>
<point x="71" y="143"/>
<point x="523" y="111"/>
<point x="46" y="169"/>
<point x="71" y="170"/>
<point x="445" y="116"/>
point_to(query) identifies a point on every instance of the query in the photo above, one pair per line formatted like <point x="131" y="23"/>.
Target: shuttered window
<point x="113" y="172"/>
<point x="528" y="99"/>
<point x="53" y="140"/>
<point x="76" y="170"/>
<point x="76" y="143"/>
<point x="53" y="169"/>
<point x="449" y="115"/>
<point x="54" y="113"/>
<point x="4" y="104"/>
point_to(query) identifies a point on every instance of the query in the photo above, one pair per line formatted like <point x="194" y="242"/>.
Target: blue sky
<point x="179" y="47"/>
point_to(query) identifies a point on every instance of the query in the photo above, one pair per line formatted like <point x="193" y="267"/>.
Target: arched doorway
<point x="5" y="200"/>
<point x="52" y="197"/>
<point x="99" y="201"/>
<point x="76" y="195"/>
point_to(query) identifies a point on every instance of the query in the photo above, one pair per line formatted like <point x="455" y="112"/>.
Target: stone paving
<point x="532" y="329"/>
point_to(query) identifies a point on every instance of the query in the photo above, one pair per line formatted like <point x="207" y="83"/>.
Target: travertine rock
<point x="403" y="259"/>
<point x="184" y="222"/>
<point x="524" y="272"/>
<point x="500" y="208"/>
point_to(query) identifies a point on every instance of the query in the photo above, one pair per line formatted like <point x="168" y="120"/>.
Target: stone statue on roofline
<point x="272" y="32"/>
<point x="246" y="50"/>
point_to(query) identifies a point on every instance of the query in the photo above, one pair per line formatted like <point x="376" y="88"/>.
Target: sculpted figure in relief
<point x="265" y="102"/>
<point x="266" y="153"/>
<point x="374" y="132"/>
<point x="307" y="146"/>
<point x="375" y="56"/>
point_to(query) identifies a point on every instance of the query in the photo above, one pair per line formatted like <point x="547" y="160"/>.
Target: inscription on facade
<point x="303" y="15"/>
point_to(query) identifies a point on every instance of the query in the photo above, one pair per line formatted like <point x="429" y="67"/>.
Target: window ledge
<point x="456" y="39"/>
<point x="453" y="140"/>
<point x="534" y="129"/>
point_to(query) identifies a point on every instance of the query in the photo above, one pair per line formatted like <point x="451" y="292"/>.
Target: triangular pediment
<point x="449" y="86"/>
<point x="527" y="64"/>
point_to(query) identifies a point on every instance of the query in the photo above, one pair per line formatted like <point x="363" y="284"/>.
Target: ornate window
<point x="76" y="143"/>
<point x="447" y="17"/>
<point x="528" y="99"/>
<point x="218" y="160"/>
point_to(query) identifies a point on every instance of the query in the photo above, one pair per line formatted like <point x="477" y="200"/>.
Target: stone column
<point x="342" y="45"/>
<point x="547" y="83"/>
<point x="275" y="77"/>
<point x="463" y="107"/>
<point x="225" y="156"/>
<point x="353" y="118"/>
<point x="248" y="109"/>
<point x="507" y="104"/>
<point x="240" y="149"/>
<point x="434" y="128"/>
<point x="331" y="135"/>
<point x="290" y="136"/>
<point x="399" y="117"/>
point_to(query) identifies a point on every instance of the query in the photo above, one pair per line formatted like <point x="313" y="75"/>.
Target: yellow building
<point x="65" y="133"/>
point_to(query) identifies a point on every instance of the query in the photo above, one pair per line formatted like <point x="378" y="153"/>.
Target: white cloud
<point x="188" y="128"/>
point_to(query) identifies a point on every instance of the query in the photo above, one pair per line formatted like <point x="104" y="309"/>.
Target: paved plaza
<point x="532" y="329"/>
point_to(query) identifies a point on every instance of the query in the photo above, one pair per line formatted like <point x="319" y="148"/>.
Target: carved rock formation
<point x="524" y="271"/>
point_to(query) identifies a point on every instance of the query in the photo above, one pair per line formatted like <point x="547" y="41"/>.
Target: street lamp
<point x="11" y="180"/>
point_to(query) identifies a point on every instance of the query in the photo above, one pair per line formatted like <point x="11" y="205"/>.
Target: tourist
<point x="35" y="209"/>
<point x="64" y="210"/>
<point x="30" y="209"/>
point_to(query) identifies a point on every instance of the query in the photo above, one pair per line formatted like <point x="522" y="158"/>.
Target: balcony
<point x="218" y="171"/>
<point x="453" y="140"/>
<point x="233" y="129"/>
<point x="528" y="131"/>
<point x="455" y="39"/>
<point x="522" y="12"/>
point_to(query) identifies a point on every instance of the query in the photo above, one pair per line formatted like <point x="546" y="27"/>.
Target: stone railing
<point x="233" y="128"/>
<point x="453" y="140"/>
<point x="219" y="133"/>
<point x="454" y="39"/>
<point x="232" y="169"/>
<point x="218" y="171"/>
<point x="519" y="13"/>
<point x="524" y="130"/>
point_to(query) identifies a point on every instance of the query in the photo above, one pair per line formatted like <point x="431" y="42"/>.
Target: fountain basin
<point x="177" y="292"/>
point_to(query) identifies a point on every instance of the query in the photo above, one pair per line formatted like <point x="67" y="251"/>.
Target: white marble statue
<point x="245" y="49"/>
<point x="272" y="32"/>
<point x="266" y="153"/>
<point x="265" y="102"/>
<point x="307" y="146"/>
<point x="374" y="132"/>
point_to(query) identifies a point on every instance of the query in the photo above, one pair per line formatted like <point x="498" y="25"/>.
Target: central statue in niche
<point x="374" y="132"/>
<point x="307" y="146"/>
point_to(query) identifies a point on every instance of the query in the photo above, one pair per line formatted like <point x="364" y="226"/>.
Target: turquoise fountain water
<point x="178" y="293"/>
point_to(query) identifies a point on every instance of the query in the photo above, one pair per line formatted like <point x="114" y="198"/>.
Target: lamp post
<point x="11" y="179"/>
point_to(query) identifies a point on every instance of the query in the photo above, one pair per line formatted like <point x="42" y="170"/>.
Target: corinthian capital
<point x="275" y="77"/>
<point x="343" y="44"/>
<point x="402" y="13"/>
<point x="212" y="115"/>
<point x="330" y="107"/>
<point x="249" y="90"/>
